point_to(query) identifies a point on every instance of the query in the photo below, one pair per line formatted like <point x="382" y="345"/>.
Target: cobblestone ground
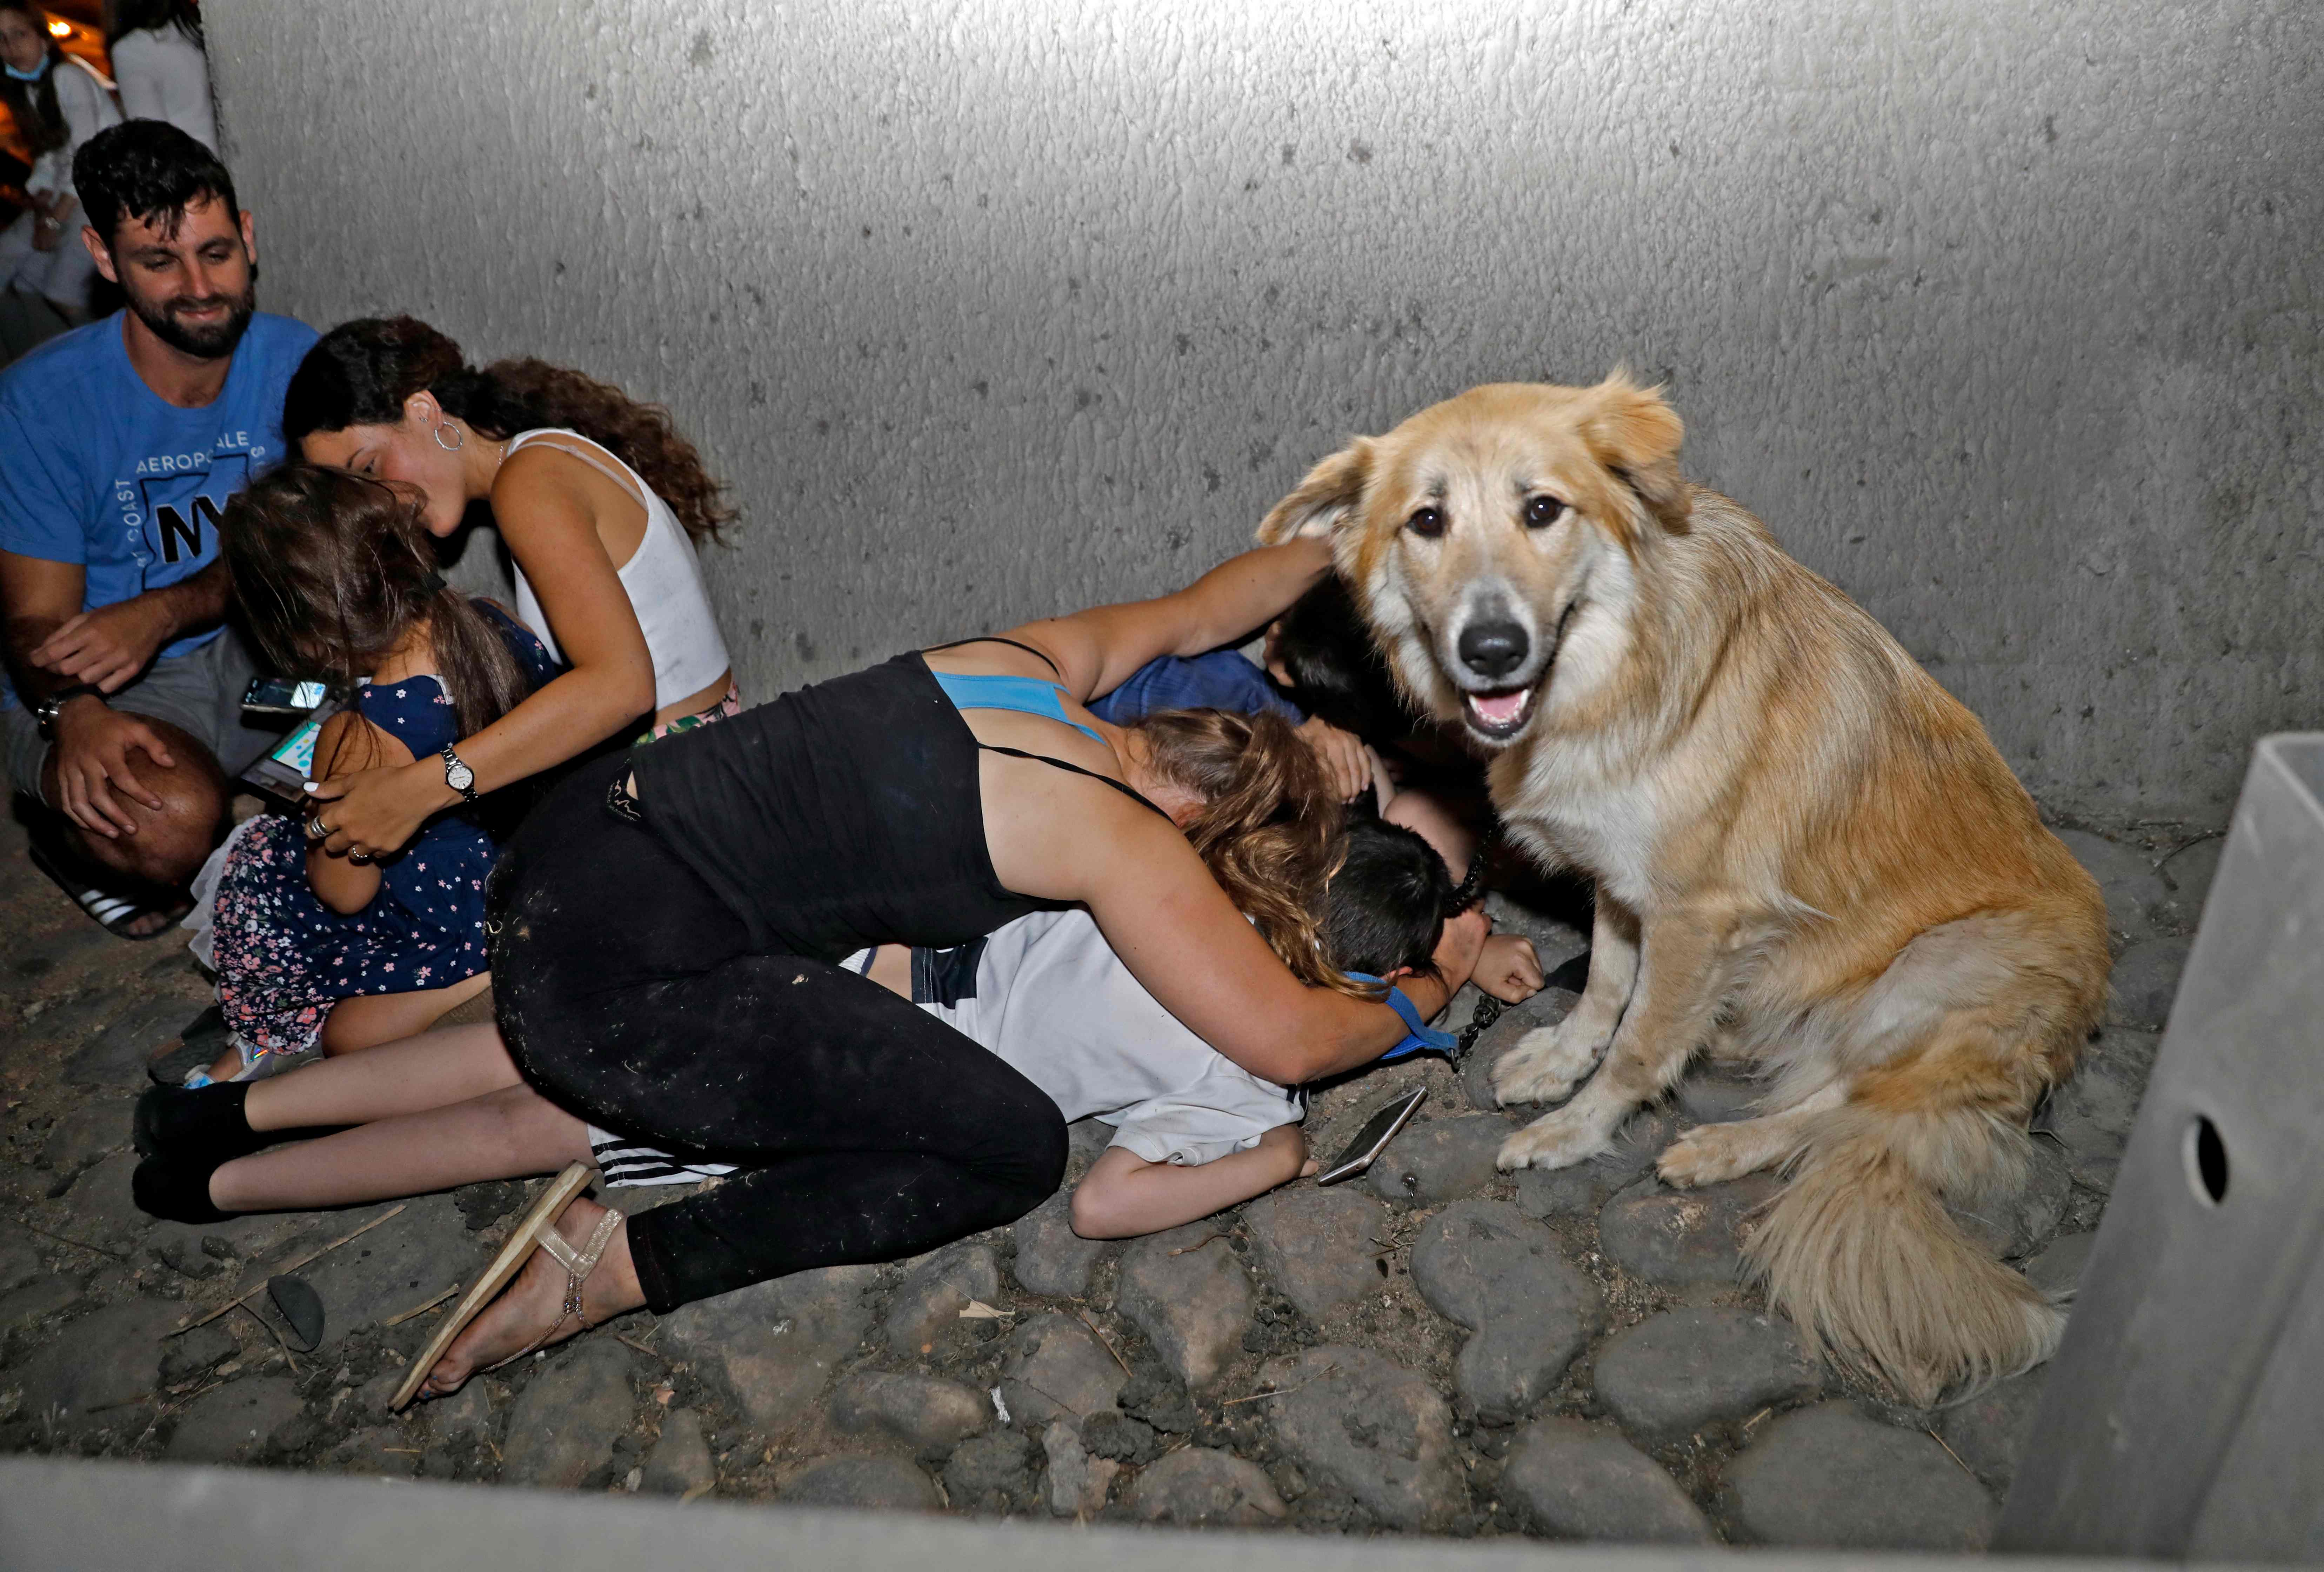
<point x="1439" y="1348"/>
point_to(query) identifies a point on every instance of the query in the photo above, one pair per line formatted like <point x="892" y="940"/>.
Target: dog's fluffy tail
<point x="1861" y="1254"/>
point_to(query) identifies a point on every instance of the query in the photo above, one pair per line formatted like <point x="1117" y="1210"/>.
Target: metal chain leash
<point x="1488" y="1010"/>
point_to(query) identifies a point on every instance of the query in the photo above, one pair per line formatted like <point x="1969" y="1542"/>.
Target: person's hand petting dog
<point x="372" y="813"/>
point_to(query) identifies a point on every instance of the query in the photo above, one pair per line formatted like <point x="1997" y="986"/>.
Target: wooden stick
<point x="294" y="1266"/>
<point x="1278" y="1391"/>
<point x="1106" y="1342"/>
<point x="1956" y="1457"/>
<point x="401" y="1316"/>
<point x="623" y="1338"/>
<point x="76" y="1243"/>
<point x="279" y="1341"/>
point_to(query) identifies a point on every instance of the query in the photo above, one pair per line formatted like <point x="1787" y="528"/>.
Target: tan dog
<point x="1807" y="855"/>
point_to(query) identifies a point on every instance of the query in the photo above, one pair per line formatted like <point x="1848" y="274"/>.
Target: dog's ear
<point x="1634" y="433"/>
<point x="1324" y="501"/>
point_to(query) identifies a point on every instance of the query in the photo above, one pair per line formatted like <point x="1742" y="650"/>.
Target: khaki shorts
<point x="198" y="692"/>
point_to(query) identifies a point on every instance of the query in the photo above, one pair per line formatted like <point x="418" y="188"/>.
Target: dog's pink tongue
<point x="1498" y="709"/>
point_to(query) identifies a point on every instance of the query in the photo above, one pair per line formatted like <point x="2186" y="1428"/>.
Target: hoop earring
<point x="457" y="442"/>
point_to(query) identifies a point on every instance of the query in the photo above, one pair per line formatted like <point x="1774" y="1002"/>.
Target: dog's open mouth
<point x="1500" y="716"/>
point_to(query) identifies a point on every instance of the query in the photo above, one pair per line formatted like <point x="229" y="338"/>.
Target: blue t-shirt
<point x="1221" y="680"/>
<point x="95" y="468"/>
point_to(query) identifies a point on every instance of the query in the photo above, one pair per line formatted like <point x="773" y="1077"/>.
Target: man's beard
<point x="209" y="341"/>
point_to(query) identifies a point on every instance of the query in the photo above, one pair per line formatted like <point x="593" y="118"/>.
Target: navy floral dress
<point x="284" y="958"/>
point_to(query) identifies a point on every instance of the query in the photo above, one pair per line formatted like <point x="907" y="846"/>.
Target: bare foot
<point x="529" y="1311"/>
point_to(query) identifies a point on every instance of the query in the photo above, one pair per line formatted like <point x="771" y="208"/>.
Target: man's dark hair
<point x="1386" y="905"/>
<point x="146" y="170"/>
<point x="1335" y="669"/>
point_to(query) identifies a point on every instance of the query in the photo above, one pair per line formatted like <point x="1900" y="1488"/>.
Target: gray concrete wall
<point x="2004" y="318"/>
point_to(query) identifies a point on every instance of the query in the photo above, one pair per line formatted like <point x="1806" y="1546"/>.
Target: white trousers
<point x="63" y="274"/>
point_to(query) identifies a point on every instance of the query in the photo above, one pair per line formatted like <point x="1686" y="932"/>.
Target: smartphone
<point x="281" y="697"/>
<point x="1373" y="1138"/>
<point x="283" y="770"/>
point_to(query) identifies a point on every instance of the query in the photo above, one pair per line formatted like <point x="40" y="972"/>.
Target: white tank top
<point x="662" y="578"/>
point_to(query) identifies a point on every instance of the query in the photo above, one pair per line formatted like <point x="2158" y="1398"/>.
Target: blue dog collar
<point x="1419" y="1036"/>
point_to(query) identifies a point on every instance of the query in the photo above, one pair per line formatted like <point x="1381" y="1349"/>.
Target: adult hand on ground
<point x="373" y="812"/>
<point x="1508" y="968"/>
<point x="92" y="745"/>
<point x="108" y="646"/>
<point x="1342" y="754"/>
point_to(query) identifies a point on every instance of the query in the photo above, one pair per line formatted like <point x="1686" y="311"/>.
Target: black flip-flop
<point x="112" y="913"/>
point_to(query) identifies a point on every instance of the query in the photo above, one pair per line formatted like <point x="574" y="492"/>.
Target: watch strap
<point x="453" y="761"/>
<point x="45" y="713"/>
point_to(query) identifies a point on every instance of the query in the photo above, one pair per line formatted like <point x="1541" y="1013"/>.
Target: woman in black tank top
<point x="666" y="928"/>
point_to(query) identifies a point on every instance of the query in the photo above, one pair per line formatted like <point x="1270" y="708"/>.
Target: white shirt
<point x="662" y="578"/>
<point x="1054" y="1001"/>
<point x="164" y="75"/>
<point x="86" y="101"/>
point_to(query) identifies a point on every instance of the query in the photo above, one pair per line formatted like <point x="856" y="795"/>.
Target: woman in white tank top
<point x="601" y="503"/>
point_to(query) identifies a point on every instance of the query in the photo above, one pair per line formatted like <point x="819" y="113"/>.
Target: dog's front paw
<point x="1714" y="1153"/>
<point x="1558" y="1139"/>
<point x="1544" y="1066"/>
<point x="1706" y="1156"/>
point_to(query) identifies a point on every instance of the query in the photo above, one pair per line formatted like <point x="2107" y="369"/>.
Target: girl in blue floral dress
<point x="336" y="578"/>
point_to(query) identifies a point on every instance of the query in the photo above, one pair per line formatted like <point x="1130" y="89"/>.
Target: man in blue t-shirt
<point x="120" y="443"/>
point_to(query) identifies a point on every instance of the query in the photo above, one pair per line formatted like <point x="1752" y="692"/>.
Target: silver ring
<point x="317" y="827"/>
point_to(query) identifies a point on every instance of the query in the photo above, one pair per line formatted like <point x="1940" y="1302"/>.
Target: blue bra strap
<point x="994" y="639"/>
<point x="1023" y="694"/>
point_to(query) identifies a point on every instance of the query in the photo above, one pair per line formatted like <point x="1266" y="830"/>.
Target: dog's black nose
<point x="1493" y="649"/>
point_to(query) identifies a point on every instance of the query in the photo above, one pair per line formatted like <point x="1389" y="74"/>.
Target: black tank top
<point x="839" y="816"/>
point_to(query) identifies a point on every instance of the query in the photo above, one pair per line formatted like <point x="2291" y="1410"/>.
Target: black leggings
<point x="866" y="1129"/>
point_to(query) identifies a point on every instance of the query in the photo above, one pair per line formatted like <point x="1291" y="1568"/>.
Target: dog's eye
<point x="1426" y="522"/>
<point x="1541" y="512"/>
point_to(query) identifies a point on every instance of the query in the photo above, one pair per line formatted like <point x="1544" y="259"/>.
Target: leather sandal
<point x="537" y="1231"/>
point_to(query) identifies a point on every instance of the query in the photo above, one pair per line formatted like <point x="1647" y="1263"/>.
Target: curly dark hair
<point x="360" y="373"/>
<point x="39" y="119"/>
<point x="330" y="569"/>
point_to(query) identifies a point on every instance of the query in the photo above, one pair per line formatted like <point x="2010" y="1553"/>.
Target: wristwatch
<point x="45" y="713"/>
<point x="457" y="775"/>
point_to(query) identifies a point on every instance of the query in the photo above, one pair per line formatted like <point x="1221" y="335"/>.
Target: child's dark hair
<point x="1385" y="907"/>
<point x="330" y="569"/>
<point x="1335" y="669"/>
<point x="150" y="171"/>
